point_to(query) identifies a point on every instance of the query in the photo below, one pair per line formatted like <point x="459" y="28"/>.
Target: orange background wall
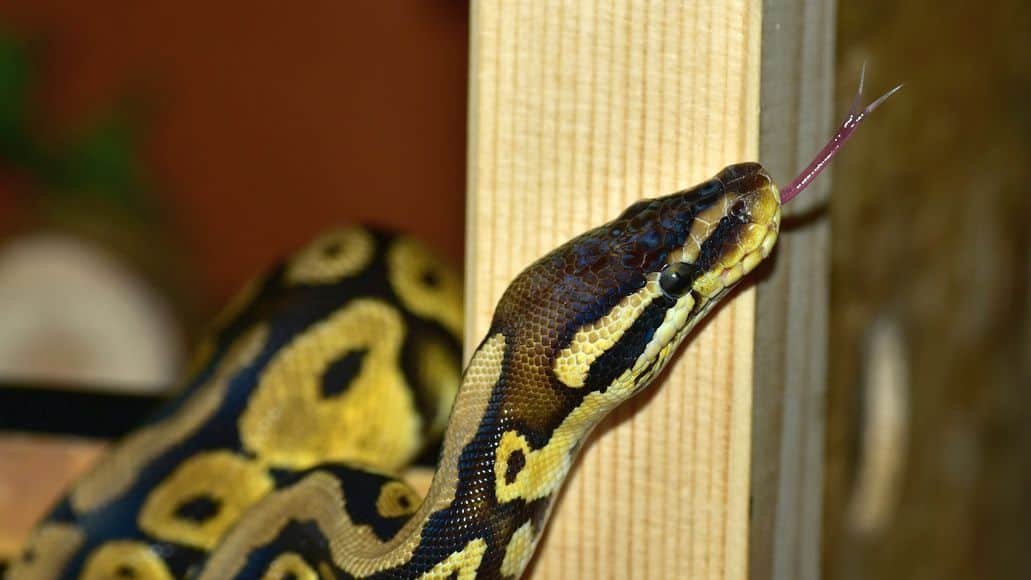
<point x="267" y="122"/>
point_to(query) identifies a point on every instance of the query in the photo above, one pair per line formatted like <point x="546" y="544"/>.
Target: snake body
<point x="333" y="371"/>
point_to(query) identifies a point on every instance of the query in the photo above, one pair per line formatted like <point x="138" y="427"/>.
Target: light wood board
<point x="34" y="471"/>
<point x="578" y="108"/>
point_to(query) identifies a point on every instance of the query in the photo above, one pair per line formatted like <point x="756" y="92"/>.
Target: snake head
<point x="612" y="304"/>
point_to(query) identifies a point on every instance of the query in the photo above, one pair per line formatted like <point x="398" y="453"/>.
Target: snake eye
<point x="676" y="280"/>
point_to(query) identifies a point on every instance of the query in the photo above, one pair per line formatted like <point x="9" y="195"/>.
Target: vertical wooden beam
<point x="578" y="108"/>
<point x="792" y="298"/>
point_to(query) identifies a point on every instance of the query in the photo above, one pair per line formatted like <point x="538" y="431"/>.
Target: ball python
<point x="328" y="375"/>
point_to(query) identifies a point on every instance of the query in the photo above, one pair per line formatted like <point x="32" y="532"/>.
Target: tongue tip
<point x="845" y="130"/>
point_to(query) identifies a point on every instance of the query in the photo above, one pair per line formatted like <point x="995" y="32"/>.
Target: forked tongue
<point x="823" y="158"/>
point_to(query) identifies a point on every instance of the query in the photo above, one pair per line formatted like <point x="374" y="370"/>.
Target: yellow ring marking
<point x="408" y="265"/>
<point x="318" y="497"/>
<point x="332" y="257"/>
<point x="396" y="499"/>
<point x="47" y="552"/>
<point x="374" y="421"/>
<point x="230" y="481"/>
<point x="518" y="551"/>
<point x="573" y="363"/>
<point x="463" y="563"/>
<point x="125" y="559"/>
<point x="116" y="472"/>
<point x="289" y="565"/>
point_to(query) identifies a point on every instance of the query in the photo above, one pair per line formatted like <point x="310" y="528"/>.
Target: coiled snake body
<point x="333" y="371"/>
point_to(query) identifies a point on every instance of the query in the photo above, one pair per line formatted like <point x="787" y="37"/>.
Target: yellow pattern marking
<point x="356" y="549"/>
<point x="544" y="469"/>
<point x="48" y="550"/>
<point x="664" y="339"/>
<point x="573" y="363"/>
<point x="125" y="559"/>
<point x="440" y="373"/>
<point x="753" y="243"/>
<point x="374" y="422"/>
<point x="116" y="472"/>
<point x="464" y="563"/>
<point x="518" y="551"/>
<point x="289" y="565"/>
<point x="396" y="499"/>
<point x="425" y="284"/>
<point x="231" y="482"/>
<point x="332" y="257"/>
<point x="326" y="572"/>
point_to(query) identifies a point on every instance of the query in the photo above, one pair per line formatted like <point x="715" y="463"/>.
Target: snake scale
<point x="332" y="372"/>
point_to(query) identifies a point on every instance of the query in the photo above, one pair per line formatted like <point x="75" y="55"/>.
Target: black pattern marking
<point x="712" y="247"/>
<point x="302" y="538"/>
<point x="404" y="502"/>
<point x="430" y="278"/>
<point x="516" y="463"/>
<point x="332" y="249"/>
<point x="198" y="509"/>
<point x="341" y="373"/>
<point x="616" y="360"/>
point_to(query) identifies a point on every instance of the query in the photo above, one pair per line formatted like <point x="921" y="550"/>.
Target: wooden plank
<point x="578" y="108"/>
<point x="34" y="471"/>
<point x="792" y="297"/>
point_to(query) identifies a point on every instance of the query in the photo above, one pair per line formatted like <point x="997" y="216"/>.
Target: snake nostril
<point x="739" y="210"/>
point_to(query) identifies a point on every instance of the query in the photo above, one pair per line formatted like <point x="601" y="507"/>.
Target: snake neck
<point x="513" y="437"/>
<point x="488" y="497"/>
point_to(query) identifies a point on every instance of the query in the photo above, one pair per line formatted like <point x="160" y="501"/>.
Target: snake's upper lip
<point x="750" y="260"/>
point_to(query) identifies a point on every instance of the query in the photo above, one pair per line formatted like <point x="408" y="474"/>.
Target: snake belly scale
<point x="335" y="370"/>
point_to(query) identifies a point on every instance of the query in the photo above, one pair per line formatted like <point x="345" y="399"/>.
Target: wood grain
<point x="578" y="108"/>
<point x="791" y="332"/>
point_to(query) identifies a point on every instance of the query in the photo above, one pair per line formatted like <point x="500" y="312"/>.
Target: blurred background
<point x="154" y="156"/>
<point x="929" y="213"/>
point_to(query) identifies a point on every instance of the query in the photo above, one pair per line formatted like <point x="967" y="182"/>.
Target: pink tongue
<point x="823" y="158"/>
